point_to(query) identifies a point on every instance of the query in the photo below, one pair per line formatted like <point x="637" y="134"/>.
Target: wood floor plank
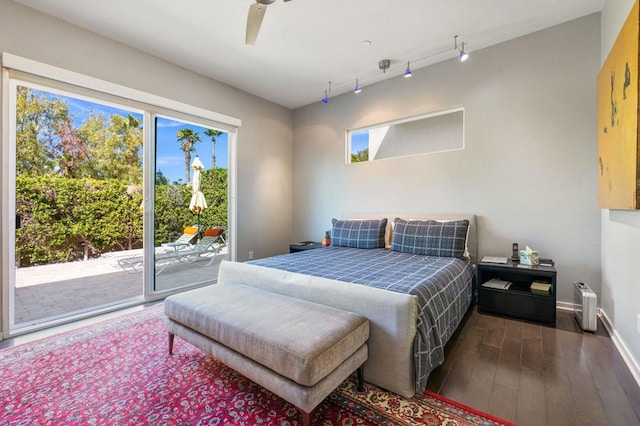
<point x="531" y="399"/>
<point x="532" y="354"/>
<point x="494" y="337"/>
<point x="532" y="374"/>
<point x="503" y="403"/>
<point x="473" y="339"/>
<point x="617" y="408"/>
<point x="559" y="403"/>
<point x="482" y="379"/>
<point x="508" y="375"/>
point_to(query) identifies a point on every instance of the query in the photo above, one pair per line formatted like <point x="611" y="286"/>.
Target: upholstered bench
<point x="299" y="350"/>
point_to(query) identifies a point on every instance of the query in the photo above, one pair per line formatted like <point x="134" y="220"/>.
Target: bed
<point x="397" y="256"/>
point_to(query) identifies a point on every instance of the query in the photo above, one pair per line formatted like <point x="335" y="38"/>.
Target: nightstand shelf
<point x="518" y="301"/>
<point x="304" y="245"/>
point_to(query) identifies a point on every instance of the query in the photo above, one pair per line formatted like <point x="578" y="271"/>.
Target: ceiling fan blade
<point x="254" y="20"/>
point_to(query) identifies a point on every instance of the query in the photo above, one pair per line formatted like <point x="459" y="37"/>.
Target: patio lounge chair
<point x="132" y="264"/>
<point x="181" y="250"/>
<point x="208" y="245"/>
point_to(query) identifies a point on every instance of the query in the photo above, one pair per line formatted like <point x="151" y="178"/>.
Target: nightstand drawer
<point x="517" y="304"/>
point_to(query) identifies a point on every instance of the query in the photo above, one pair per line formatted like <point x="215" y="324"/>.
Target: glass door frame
<point x="150" y="105"/>
<point x="149" y="162"/>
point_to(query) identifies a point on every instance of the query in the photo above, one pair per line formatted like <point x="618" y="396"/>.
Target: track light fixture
<point x="325" y="100"/>
<point x="357" y="89"/>
<point x="408" y="72"/>
<point x="463" y="55"/>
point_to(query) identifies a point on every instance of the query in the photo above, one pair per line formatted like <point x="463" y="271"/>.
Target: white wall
<point x="264" y="141"/>
<point x="529" y="167"/>
<point x="620" y="237"/>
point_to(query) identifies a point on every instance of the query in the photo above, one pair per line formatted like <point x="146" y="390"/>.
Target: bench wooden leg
<point x="360" y="372"/>
<point x="171" y="337"/>
<point x="306" y="417"/>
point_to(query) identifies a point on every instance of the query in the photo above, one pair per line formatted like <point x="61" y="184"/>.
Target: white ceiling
<point x="304" y="44"/>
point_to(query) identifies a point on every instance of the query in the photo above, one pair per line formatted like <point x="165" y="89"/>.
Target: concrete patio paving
<point x="60" y="289"/>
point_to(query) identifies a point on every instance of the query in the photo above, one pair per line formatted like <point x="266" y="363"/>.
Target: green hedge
<point x="63" y="218"/>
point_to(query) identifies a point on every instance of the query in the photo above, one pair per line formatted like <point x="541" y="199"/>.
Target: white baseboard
<point x="566" y="306"/>
<point x="629" y="360"/>
<point x="627" y="357"/>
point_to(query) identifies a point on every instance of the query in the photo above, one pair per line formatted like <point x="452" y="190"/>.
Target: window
<point x="428" y="133"/>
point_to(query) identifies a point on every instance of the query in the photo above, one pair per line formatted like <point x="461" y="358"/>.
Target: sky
<point x="169" y="156"/>
<point x="359" y="141"/>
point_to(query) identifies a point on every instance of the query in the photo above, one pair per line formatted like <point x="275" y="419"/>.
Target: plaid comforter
<point x="443" y="286"/>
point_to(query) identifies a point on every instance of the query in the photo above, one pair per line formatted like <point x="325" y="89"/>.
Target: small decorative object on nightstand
<point x="531" y="294"/>
<point x="327" y="239"/>
<point x="304" y="245"/>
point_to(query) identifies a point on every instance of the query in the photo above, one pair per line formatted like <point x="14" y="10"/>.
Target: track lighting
<point x="357" y="89"/>
<point x="325" y="100"/>
<point x="463" y="55"/>
<point x="386" y="65"/>
<point x="408" y="72"/>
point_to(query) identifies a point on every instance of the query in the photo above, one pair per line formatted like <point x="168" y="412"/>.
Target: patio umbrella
<point x="198" y="203"/>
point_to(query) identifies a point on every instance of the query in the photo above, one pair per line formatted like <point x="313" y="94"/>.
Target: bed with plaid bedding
<point x="443" y="286"/>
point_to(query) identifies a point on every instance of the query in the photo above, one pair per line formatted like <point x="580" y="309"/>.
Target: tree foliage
<point x="115" y="145"/>
<point x="78" y="188"/>
<point x="187" y="138"/>
<point x="213" y="134"/>
<point x="61" y="217"/>
<point x="48" y="143"/>
<point x="360" y="156"/>
<point x="37" y="121"/>
<point x="172" y="212"/>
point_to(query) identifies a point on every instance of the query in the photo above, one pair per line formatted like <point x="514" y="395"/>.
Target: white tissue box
<point x="529" y="257"/>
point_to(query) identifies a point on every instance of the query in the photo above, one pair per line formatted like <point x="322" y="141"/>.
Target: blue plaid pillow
<point x="430" y="237"/>
<point x="365" y="234"/>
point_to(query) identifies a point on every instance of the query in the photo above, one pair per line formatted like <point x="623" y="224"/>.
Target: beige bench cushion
<point x="300" y="340"/>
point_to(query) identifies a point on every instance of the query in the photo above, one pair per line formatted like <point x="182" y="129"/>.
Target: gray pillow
<point x="365" y="234"/>
<point x="430" y="237"/>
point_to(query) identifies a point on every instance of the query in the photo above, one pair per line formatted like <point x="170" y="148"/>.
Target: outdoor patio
<point x="59" y="289"/>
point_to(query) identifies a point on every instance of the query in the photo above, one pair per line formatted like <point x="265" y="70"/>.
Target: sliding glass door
<point x="77" y="194"/>
<point x="107" y="201"/>
<point x="190" y="199"/>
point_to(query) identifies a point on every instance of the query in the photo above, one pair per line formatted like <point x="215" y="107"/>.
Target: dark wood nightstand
<point x="519" y="300"/>
<point x="304" y="245"/>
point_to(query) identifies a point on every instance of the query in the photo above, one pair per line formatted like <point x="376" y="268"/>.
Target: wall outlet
<point x="250" y="255"/>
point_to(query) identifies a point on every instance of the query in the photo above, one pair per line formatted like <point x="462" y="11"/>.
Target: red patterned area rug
<point x="119" y="372"/>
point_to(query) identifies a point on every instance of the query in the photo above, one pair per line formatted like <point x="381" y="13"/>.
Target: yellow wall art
<point x="618" y="148"/>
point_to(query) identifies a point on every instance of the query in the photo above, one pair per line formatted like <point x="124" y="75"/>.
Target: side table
<point x="518" y="300"/>
<point x="304" y="245"/>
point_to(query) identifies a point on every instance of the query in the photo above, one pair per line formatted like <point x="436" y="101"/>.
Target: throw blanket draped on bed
<point x="443" y="286"/>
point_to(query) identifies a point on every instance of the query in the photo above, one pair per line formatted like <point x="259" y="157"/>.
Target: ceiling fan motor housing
<point x="265" y="1"/>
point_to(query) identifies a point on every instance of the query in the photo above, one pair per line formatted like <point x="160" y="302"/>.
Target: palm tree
<point x="187" y="138"/>
<point x="213" y="134"/>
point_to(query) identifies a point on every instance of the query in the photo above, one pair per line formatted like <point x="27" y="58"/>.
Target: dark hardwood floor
<point x="532" y="374"/>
